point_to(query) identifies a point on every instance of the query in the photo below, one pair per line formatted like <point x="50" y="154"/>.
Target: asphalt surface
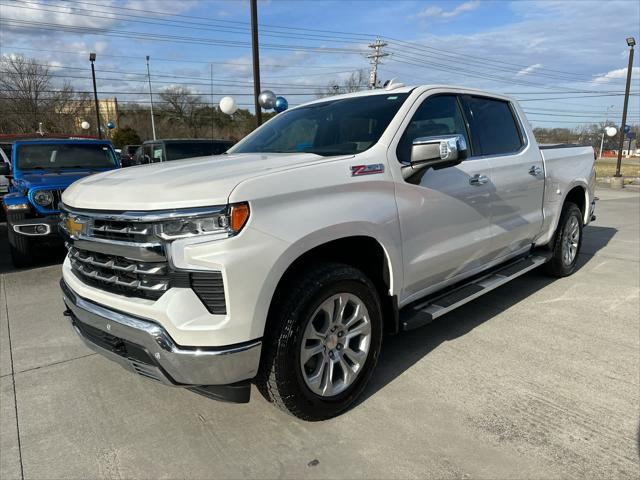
<point x="538" y="379"/>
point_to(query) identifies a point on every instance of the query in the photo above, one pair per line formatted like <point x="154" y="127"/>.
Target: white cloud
<point x="616" y="74"/>
<point x="529" y="70"/>
<point x="438" y="12"/>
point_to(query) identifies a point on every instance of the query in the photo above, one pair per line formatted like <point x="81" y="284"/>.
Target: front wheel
<point x="567" y="241"/>
<point x="325" y="342"/>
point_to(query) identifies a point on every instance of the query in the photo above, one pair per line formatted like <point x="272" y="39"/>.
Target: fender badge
<point x="372" y="169"/>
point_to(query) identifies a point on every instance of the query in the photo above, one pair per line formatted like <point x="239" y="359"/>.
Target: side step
<point x="424" y="311"/>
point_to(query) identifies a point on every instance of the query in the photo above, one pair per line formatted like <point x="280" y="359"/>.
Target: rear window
<point x="6" y="148"/>
<point x="176" y="151"/>
<point x="64" y="156"/>
<point x="494" y="126"/>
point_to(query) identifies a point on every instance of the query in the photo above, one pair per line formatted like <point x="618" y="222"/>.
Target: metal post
<point x="256" y="60"/>
<point x="212" y="107"/>
<point x="631" y="42"/>
<point x="153" y="122"/>
<point x="92" y="58"/>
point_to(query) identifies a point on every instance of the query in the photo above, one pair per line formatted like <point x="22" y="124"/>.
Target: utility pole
<point x="631" y="43"/>
<point x="92" y="59"/>
<point x="374" y="59"/>
<point x="256" y="60"/>
<point x="153" y="122"/>
<point x="213" y="118"/>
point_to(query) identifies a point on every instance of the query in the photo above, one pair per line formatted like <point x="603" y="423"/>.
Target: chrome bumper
<point x="144" y="347"/>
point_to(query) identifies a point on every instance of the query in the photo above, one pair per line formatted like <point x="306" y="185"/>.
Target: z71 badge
<point x="357" y="170"/>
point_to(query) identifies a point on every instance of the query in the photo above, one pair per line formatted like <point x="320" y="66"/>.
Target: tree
<point x="125" y="136"/>
<point x="358" y="80"/>
<point x="182" y="106"/>
<point x="29" y="98"/>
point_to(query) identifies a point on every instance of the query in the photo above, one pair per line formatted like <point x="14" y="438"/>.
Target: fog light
<point x="41" y="229"/>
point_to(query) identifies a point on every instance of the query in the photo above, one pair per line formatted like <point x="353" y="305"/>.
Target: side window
<point x="157" y="153"/>
<point x="494" y="126"/>
<point x="438" y="115"/>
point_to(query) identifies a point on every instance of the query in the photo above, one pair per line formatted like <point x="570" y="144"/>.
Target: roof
<point x="67" y="141"/>
<point x="188" y="140"/>
<point x="404" y="89"/>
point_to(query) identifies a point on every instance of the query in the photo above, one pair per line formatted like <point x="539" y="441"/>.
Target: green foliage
<point x="125" y="136"/>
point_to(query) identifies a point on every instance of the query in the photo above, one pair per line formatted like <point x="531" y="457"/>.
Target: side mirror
<point x="436" y="152"/>
<point x="5" y="168"/>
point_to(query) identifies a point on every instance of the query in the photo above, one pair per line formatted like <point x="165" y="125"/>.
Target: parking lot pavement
<point x="538" y="379"/>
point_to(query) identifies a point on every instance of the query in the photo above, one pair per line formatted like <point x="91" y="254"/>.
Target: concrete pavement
<point x="538" y="379"/>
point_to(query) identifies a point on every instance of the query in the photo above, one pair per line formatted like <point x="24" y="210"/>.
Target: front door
<point x="444" y="214"/>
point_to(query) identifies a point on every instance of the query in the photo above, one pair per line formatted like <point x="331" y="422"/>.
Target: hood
<point x="50" y="179"/>
<point x="196" y="182"/>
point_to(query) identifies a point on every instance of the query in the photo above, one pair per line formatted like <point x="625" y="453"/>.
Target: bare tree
<point x="28" y="98"/>
<point x="358" y="80"/>
<point x="182" y="105"/>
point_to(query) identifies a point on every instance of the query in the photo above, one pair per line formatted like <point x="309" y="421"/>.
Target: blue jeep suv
<point x="40" y="171"/>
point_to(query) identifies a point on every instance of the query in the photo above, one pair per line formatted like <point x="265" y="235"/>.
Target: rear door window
<point x="494" y="126"/>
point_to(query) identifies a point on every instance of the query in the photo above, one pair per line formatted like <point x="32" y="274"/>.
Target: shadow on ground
<point x="402" y="351"/>
<point x="43" y="255"/>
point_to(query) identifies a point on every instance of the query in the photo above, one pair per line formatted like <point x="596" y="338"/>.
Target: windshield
<point x="177" y="151"/>
<point x="64" y="156"/>
<point x="336" y="127"/>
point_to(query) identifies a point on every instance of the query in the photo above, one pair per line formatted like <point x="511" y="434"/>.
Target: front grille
<point x="120" y="275"/>
<point x="108" y="262"/>
<point x="123" y="231"/>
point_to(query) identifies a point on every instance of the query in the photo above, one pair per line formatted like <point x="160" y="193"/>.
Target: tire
<point x="19" y="247"/>
<point x="564" y="259"/>
<point x="297" y="317"/>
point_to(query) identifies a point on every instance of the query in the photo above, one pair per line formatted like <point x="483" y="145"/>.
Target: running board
<point x="424" y="312"/>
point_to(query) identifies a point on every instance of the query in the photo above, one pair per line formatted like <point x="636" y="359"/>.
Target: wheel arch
<point x="361" y="251"/>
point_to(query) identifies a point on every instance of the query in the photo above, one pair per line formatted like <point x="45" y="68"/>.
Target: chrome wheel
<point x="570" y="240"/>
<point x="335" y="344"/>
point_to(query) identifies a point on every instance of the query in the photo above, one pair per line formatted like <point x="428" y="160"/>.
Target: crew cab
<point x="41" y="170"/>
<point x="286" y="260"/>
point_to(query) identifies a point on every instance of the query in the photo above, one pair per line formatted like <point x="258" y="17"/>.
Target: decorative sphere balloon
<point x="611" y="131"/>
<point x="110" y="125"/>
<point x="267" y="99"/>
<point x="85" y="125"/>
<point x="281" y="104"/>
<point x="228" y="105"/>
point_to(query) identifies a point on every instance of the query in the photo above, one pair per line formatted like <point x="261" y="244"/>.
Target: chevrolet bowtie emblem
<point x="74" y="227"/>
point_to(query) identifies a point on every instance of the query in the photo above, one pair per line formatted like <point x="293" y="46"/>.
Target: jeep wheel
<point x="325" y="342"/>
<point x="566" y="243"/>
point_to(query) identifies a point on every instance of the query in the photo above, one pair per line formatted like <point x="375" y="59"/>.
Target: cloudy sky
<point x="565" y="60"/>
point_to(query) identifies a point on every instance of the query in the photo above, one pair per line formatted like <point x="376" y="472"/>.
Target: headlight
<point x="228" y="223"/>
<point x="43" y="198"/>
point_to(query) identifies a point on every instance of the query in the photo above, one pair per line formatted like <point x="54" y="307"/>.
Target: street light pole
<point x="631" y="42"/>
<point x="256" y="60"/>
<point x="153" y="122"/>
<point x="92" y="59"/>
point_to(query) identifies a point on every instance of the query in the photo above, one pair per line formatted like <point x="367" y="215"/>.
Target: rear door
<point x="517" y="175"/>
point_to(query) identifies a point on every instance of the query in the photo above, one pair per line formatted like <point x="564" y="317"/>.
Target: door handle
<point x="477" y="180"/>
<point x="535" y="171"/>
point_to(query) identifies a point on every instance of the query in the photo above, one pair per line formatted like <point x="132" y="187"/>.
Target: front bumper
<point x="146" y="348"/>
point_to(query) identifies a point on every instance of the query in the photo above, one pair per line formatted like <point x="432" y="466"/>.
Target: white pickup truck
<point x="285" y="261"/>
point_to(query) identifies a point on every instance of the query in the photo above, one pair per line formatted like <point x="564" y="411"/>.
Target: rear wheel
<point x="325" y="342"/>
<point x="567" y="242"/>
